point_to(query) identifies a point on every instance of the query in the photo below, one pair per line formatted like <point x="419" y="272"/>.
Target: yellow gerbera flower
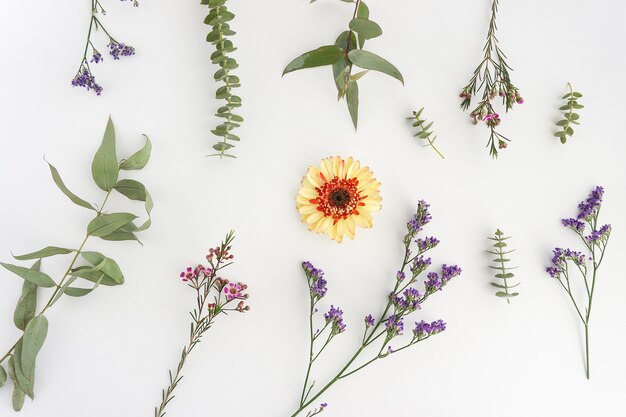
<point x="337" y="197"/>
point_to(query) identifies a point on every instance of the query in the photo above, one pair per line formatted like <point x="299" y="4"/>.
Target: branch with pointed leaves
<point x="424" y="132"/>
<point x="214" y="297"/>
<point x="493" y="78"/>
<point x="97" y="268"/>
<point x="346" y="53"/>
<point x="219" y="19"/>
<point x="501" y="262"/>
<point x="570" y="117"/>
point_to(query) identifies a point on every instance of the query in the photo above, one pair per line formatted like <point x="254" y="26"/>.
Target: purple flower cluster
<point x="408" y="301"/>
<point x="369" y="320"/>
<point x="317" y="283"/>
<point x="433" y="283"/>
<point x="591" y="205"/>
<point x="334" y="317"/>
<point x="394" y="325"/>
<point x="400" y="276"/>
<point x="574" y="224"/>
<point x="420" y="219"/>
<point x="427" y="243"/>
<point x="559" y="259"/>
<point x="84" y="78"/>
<point x="419" y="265"/>
<point x="423" y="329"/>
<point x="599" y="235"/>
<point x="449" y="272"/>
<point x="117" y="49"/>
<point x="97" y="57"/>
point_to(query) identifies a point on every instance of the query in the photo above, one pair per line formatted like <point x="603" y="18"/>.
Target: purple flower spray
<point x="567" y="262"/>
<point x="379" y="332"/>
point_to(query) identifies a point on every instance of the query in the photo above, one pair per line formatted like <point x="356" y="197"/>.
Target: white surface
<point x="108" y="354"/>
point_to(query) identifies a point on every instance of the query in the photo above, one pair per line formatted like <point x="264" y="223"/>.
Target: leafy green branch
<point x="97" y="268"/>
<point x="424" y="132"/>
<point x="569" y="116"/>
<point x="501" y="262"/>
<point x="218" y="18"/>
<point x="347" y="52"/>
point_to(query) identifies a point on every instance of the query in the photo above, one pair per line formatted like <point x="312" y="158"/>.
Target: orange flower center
<point x="338" y="198"/>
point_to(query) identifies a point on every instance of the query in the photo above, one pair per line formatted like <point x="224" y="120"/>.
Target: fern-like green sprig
<point x="500" y="262"/>
<point x="569" y="117"/>
<point x="424" y="132"/>
<point x="220" y="34"/>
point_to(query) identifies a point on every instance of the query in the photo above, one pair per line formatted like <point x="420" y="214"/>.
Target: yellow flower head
<point x="337" y="197"/>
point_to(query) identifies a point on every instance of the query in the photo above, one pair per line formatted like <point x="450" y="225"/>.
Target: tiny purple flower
<point x="433" y="283"/>
<point x="394" y="325"/>
<point x="589" y="207"/>
<point x="117" y="49"/>
<point x="449" y="272"/>
<point x="574" y="224"/>
<point x="335" y="318"/>
<point x="369" y="320"/>
<point x="599" y="235"/>
<point x="97" y="57"/>
<point x="427" y="243"/>
<point x="84" y="78"/>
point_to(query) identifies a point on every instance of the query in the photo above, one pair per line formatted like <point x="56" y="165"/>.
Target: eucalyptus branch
<point x="401" y="302"/>
<point x="500" y="262"/>
<point x="99" y="269"/>
<point x="220" y="37"/>
<point x="595" y="244"/>
<point x="424" y="131"/>
<point x="569" y="116"/>
<point x="206" y="283"/>
<point x="493" y="78"/>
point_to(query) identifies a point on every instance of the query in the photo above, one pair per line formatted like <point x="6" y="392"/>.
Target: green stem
<point x="311" y="340"/>
<point x="587" y="348"/>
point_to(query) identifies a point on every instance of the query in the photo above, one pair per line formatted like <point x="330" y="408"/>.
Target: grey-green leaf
<point x="92" y="274"/>
<point x="32" y="341"/>
<point x="44" y="253"/>
<point x="3" y="376"/>
<point x="324" y="55"/>
<point x="371" y="61"/>
<point x="108" y="223"/>
<point x="139" y="159"/>
<point x="104" y="167"/>
<point x="366" y="29"/>
<point x="352" y="98"/>
<point x="149" y="207"/>
<point x="56" y="177"/>
<point x="106" y="265"/>
<point x="36" y="277"/>
<point x="27" y="304"/>
<point x="18" y="394"/>
<point x="131" y="189"/>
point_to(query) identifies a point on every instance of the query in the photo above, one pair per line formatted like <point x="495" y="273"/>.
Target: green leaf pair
<point x="569" y="116"/>
<point x="501" y="266"/>
<point x="344" y="54"/>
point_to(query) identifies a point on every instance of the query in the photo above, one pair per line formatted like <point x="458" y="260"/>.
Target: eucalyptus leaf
<point x="36" y="277"/>
<point x="27" y="303"/>
<point x="139" y="159"/>
<point x="104" y="167"/>
<point x="104" y="264"/>
<point x="131" y="189"/>
<point x="108" y="223"/>
<point x="3" y="376"/>
<point x="18" y="394"/>
<point x="44" y="253"/>
<point x="93" y="274"/>
<point x="149" y="207"/>
<point x="324" y="55"/>
<point x="340" y="68"/>
<point x="371" y="61"/>
<point x="365" y="28"/>
<point x="25" y="384"/>
<point x="56" y="177"/>
<point x="32" y="341"/>
<point x="352" y="98"/>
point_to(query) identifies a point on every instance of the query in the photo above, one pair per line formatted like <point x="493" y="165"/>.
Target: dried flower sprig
<point x="84" y="77"/>
<point x="492" y="76"/>
<point x="587" y="264"/>
<point x="347" y="52"/>
<point x="424" y="132"/>
<point x="97" y="268"/>
<point x="501" y="262"/>
<point x="569" y="116"/>
<point x="214" y="296"/>
<point x="220" y="36"/>
<point x="402" y="301"/>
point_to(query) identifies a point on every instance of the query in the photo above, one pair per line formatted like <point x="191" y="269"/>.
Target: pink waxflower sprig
<point x="214" y="296"/>
<point x="493" y="79"/>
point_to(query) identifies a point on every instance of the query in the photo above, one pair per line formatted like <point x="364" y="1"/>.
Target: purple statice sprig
<point x="215" y="296"/>
<point x="493" y="78"/>
<point x="404" y="300"/>
<point x="565" y="262"/>
<point x="84" y="76"/>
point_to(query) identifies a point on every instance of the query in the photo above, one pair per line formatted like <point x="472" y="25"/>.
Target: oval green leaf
<point x="104" y="167"/>
<point x="324" y="55"/>
<point x="371" y="61"/>
<point x="366" y="29"/>
<point x="106" y="265"/>
<point x="32" y="341"/>
<point x="27" y="304"/>
<point x="352" y="98"/>
<point x="36" y="277"/>
<point x="139" y="159"/>
<point x="131" y="189"/>
<point x="3" y="376"/>
<point x="108" y="223"/>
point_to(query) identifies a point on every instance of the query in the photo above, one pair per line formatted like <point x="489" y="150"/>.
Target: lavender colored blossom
<point x="424" y="329"/>
<point x="369" y="320"/>
<point x="400" y="276"/>
<point x="97" y="57"/>
<point x="409" y="300"/>
<point x="427" y="243"/>
<point x="117" y="49"/>
<point x="317" y="283"/>
<point x="559" y="259"/>
<point x="419" y="265"/>
<point x="420" y="219"/>
<point x="599" y="235"/>
<point x="335" y="318"/>
<point x="591" y="205"/>
<point x="394" y="325"/>
<point x="84" y="78"/>
<point x="449" y="272"/>
<point x="433" y="283"/>
<point x="574" y="224"/>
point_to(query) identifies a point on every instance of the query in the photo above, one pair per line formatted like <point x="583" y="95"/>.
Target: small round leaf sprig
<point x="493" y="78"/>
<point x="566" y="262"/>
<point x="570" y="117"/>
<point x="84" y="77"/>
<point x="347" y="52"/>
<point x="500" y="264"/>
<point x="220" y="37"/>
<point x="215" y="296"/>
<point x="378" y="334"/>
<point x="424" y="132"/>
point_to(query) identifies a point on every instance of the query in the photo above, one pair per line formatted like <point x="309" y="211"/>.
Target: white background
<point x="108" y="354"/>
